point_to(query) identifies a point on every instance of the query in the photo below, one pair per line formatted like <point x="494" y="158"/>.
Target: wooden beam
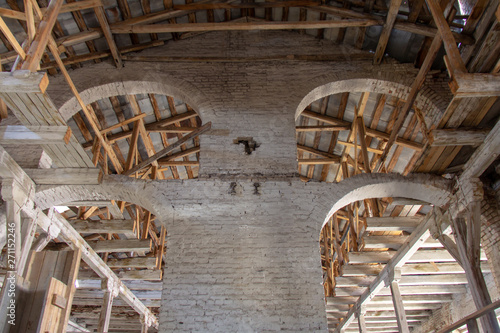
<point x="417" y="237"/>
<point x="168" y="149"/>
<point x="123" y="123"/>
<point x="475" y="84"/>
<point x="410" y="99"/>
<point x="484" y="155"/>
<point x="239" y="26"/>
<point x="105" y="315"/>
<point x="398" y="223"/>
<point x="65" y="176"/>
<point x="386" y="31"/>
<point x="12" y="40"/>
<point x="103" y="21"/>
<point x="138" y="262"/>
<point x="455" y="62"/>
<point x="121" y="245"/>
<point x="34" y="135"/>
<point x="397" y="301"/>
<point x="322" y="128"/>
<point x="475" y="278"/>
<point x="35" y="52"/>
<point x="103" y="226"/>
<point x="458" y="137"/>
<point x="23" y="82"/>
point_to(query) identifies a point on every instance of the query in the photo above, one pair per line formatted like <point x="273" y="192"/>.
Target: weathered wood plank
<point x="65" y="176"/>
<point x="22" y="135"/>
<point x="104" y="226"/>
<point x="23" y="81"/>
<point x="239" y="26"/>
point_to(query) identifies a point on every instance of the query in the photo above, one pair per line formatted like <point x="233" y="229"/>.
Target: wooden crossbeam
<point x="138" y="262"/>
<point x="239" y="26"/>
<point x="458" y="137"/>
<point x="12" y="40"/>
<point x="23" y="82"/>
<point x="120" y="245"/>
<point x="104" y="226"/>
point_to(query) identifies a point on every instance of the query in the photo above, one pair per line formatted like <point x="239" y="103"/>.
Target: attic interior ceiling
<point x="328" y="139"/>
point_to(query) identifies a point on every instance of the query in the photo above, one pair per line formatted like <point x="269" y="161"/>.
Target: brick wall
<point x="257" y="99"/>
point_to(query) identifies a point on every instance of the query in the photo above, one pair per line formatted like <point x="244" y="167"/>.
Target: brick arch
<point x="103" y="80"/>
<point x="388" y="79"/>
<point x="113" y="187"/>
<point x="429" y="188"/>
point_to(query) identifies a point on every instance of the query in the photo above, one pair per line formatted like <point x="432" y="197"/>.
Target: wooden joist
<point x="475" y="84"/>
<point x="399" y="223"/>
<point x="103" y="226"/>
<point x="458" y="137"/>
<point x="239" y="26"/>
<point x="386" y="30"/>
<point x="121" y="245"/>
<point x="138" y="262"/>
<point x="37" y="135"/>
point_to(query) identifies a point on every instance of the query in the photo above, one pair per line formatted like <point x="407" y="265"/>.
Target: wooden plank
<point x="138" y="262"/>
<point x="239" y="26"/>
<point x="23" y="82"/>
<point x="103" y="21"/>
<point x="65" y="176"/>
<point x="103" y="226"/>
<point x="12" y="39"/>
<point x="322" y="128"/>
<point x="35" y="52"/>
<point x="386" y="31"/>
<point x="105" y="315"/>
<point x="418" y="236"/>
<point x="123" y="123"/>
<point x="120" y="245"/>
<point x="168" y="149"/>
<point x="398" y="223"/>
<point x="26" y="135"/>
<point x="458" y="137"/>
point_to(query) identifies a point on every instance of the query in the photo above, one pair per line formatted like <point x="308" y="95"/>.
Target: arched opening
<point x="347" y="133"/>
<point x="362" y="254"/>
<point x="137" y="127"/>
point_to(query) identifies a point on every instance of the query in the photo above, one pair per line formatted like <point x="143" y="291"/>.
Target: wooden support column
<point x="397" y="300"/>
<point x="361" y="319"/>
<point x="468" y="247"/>
<point x="105" y="315"/>
<point x="15" y="199"/>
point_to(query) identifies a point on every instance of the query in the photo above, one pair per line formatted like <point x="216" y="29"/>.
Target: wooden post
<point x="105" y="316"/>
<point x="14" y="198"/>
<point x="473" y="272"/>
<point x="397" y="300"/>
<point x="361" y="319"/>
